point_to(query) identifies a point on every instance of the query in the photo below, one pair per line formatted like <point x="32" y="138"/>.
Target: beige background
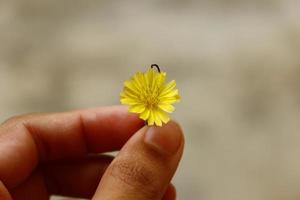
<point x="237" y="64"/>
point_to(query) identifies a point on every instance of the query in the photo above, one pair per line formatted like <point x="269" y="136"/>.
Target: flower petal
<point x="151" y="118"/>
<point x="152" y="77"/>
<point x="128" y="94"/>
<point x="171" y="93"/>
<point x="145" y="115"/>
<point x="160" y="80"/>
<point x="168" y="87"/>
<point x="169" y="100"/>
<point x="129" y="85"/>
<point x="157" y="119"/>
<point x="128" y="101"/>
<point x="138" y="82"/>
<point x="138" y="108"/>
<point x="167" y="107"/>
<point x="163" y="116"/>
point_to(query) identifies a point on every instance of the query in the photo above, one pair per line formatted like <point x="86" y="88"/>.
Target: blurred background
<point x="237" y="65"/>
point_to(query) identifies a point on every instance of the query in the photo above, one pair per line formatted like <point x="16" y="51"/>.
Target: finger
<point x="26" y="140"/>
<point x="145" y="165"/>
<point x="76" y="178"/>
<point x="170" y="193"/>
<point x="34" y="189"/>
<point x="4" y="194"/>
<point x="68" y="178"/>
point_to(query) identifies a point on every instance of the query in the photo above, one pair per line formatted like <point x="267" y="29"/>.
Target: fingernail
<point x="166" y="139"/>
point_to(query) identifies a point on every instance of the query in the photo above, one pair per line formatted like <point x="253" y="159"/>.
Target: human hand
<point x="45" y="154"/>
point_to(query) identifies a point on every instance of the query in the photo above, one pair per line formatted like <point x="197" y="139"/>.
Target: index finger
<point x="24" y="141"/>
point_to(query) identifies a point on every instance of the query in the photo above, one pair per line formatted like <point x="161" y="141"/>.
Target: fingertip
<point x="166" y="139"/>
<point x="170" y="193"/>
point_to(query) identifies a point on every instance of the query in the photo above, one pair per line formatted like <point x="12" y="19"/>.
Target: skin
<point x="61" y="153"/>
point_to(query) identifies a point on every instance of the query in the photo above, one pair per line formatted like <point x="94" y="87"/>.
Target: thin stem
<point x="157" y="67"/>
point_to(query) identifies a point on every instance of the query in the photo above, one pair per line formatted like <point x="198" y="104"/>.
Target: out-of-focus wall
<point x="237" y="64"/>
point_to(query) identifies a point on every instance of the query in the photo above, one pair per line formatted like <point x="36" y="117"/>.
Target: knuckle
<point x="136" y="175"/>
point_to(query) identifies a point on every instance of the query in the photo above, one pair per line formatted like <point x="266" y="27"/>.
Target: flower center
<point x="150" y="98"/>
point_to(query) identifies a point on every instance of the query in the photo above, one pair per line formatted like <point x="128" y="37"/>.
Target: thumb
<point x="145" y="165"/>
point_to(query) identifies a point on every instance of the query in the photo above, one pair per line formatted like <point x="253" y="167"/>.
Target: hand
<point x="45" y="154"/>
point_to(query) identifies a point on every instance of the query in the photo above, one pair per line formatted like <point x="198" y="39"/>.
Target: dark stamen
<point x="157" y="67"/>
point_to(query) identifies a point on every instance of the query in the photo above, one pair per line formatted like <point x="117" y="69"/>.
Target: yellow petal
<point x="128" y="101"/>
<point x="138" y="108"/>
<point x="128" y="94"/>
<point x="131" y="87"/>
<point x="145" y="115"/>
<point x="151" y="76"/>
<point x="168" y="87"/>
<point x="163" y="116"/>
<point x="137" y="81"/>
<point x="169" y="100"/>
<point x="157" y="119"/>
<point x="151" y="118"/>
<point x="146" y="78"/>
<point x="167" y="107"/>
<point x="172" y="93"/>
<point x="160" y="79"/>
<point x="141" y="79"/>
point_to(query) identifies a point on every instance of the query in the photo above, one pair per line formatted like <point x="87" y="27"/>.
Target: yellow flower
<point x="149" y="96"/>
